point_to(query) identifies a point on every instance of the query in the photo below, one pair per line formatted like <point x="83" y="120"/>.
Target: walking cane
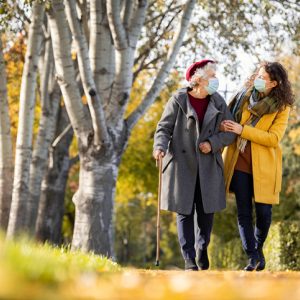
<point x="159" y="162"/>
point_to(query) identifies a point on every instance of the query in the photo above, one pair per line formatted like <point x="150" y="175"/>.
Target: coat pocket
<point x="219" y="160"/>
<point x="166" y="161"/>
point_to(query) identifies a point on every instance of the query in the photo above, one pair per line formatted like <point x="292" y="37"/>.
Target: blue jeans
<point x="252" y="236"/>
<point x="186" y="230"/>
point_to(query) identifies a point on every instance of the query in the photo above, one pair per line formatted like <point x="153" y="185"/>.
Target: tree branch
<point x="163" y="14"/>
<point x="144" y="66"/>
<point x="93" y="98"/>
<point x="137" y="22"/>
<point x="101" y="50"/>
<point x="155" y="36"/>
<point x="45" y="71"/>
<point x="61" y="135"/>
<point x="23" y="18"/>
<point x="64" y="66"/>
<point x="127" y="13"/>
<point x="84" y="17"/>
<point x="117" y="29"/>
<point x="165" y="69"/>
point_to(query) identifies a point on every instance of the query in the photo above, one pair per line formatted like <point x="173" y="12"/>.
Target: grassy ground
<point x="30" y="271"/>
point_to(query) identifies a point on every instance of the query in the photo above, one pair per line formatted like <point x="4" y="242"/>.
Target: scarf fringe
<point x="242" y="145"/>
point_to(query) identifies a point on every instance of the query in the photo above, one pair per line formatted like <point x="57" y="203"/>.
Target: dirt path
<point x="216" y="285"/>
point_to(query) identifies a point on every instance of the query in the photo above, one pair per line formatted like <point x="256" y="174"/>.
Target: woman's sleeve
<point x="273" y="136"/>
<point x="220" y="139"/>
<point x="165" y="126"/>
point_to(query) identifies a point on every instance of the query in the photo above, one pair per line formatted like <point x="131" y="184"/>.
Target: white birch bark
<point x="94" y="205"/>
<point x="17" y="218"/>
<point x="127" y="13"/>
<point x="60" y="36"/>
<point x="6" y="152"/>
<point x="101" y="50"/>
<point x="50" y="99"/>
<point x="84" y="17"/>
<point x="125" y="44"/>
<point x="93" y="98"/>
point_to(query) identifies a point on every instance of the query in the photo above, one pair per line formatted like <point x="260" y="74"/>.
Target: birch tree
<point x="50" y="102"/>
<point x="6" y="152"/>
<point x="103" y="133"/>
<point x="51" y="206"/>
<point x="17" y="218"/>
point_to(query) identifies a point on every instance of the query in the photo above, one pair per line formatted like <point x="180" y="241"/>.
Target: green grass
<point x="47" y="264"/>
<point x="42" y="272"/>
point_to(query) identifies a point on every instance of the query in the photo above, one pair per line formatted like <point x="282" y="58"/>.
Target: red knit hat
<point x="199" y="64"/>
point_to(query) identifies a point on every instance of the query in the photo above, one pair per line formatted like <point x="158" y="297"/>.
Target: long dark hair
<point x="282" y="92"/>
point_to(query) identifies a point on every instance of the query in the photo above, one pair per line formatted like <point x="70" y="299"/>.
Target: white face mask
<point x="212" y="86"/>
<point x="260" y="84"/>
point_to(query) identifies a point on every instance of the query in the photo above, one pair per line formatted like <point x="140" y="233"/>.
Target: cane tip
<point x="157" y="263"/>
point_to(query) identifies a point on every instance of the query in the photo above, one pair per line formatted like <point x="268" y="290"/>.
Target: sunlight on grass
<point x="26" y="267"/>
<point x="34" y="271"/>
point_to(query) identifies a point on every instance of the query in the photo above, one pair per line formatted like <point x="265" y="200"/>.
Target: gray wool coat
<point x="178" y="134"/>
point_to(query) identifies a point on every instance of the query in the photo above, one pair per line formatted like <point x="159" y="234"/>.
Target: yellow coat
<point x="266" y="152"/>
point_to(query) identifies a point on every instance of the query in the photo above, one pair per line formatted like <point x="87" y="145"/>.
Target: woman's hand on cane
<point x="157" y="154"/>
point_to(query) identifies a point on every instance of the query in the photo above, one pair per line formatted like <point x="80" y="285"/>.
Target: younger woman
<point x="253" y="165"/>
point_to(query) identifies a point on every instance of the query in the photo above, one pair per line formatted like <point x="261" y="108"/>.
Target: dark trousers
<point x="188" y="240"/>
<point x="252" y="236"/>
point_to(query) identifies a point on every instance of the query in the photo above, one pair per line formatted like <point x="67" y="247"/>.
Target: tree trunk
<point x="17" y="219"/>
<point x="94" y="204"/>
<point x="6" y="152"/>
<point x="99" y="162"/>
<point x="51" y="208"/>
<point x="50" y="99"/>
<point x="94" y="199"/>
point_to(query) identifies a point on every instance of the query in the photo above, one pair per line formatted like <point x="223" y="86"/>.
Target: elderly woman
<point x="253" y="165"/>
<point x="189" y="140"/>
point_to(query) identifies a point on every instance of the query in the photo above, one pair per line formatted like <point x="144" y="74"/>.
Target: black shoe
<point x="252" y="264"/>
<point x="190" y="265"/>
<point x="261" y="258"/>
<point x="202" y="259"/>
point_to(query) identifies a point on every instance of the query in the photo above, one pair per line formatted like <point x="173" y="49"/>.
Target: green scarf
<point x="257" y="107"/>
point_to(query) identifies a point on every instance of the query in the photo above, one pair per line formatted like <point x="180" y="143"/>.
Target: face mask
<point x="213" y="85"/>
<point x="260" y="84"/>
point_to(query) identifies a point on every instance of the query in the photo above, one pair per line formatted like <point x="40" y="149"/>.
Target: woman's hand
<point x="205" y="147"/>
<point x="158" y="154"/>
<point x="231" y="126"/>
<point x="222" y="126"/>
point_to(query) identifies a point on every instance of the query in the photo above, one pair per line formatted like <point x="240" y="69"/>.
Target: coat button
<point x="183" y="151"/>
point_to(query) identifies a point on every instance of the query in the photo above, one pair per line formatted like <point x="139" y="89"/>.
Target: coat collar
<point x="183" y="101"/>
<point x="245" y="114"/>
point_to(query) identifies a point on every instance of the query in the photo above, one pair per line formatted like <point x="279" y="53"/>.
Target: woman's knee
<point x="263" y="211"/>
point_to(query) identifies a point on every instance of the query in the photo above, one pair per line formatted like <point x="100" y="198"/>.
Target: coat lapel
<point x="246" y="114"/>
<point x="183" y="101"/>
<point x="210" y="114"/>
